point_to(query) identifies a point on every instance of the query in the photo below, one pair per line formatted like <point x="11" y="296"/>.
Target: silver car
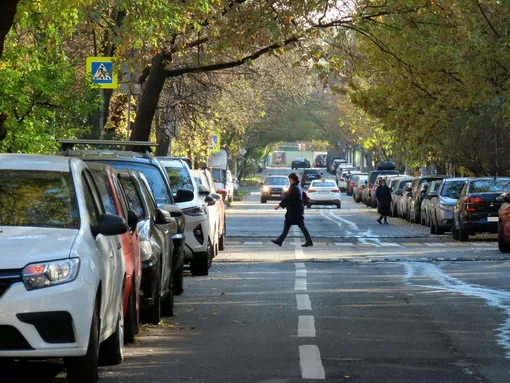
<point x="441" y="211"/>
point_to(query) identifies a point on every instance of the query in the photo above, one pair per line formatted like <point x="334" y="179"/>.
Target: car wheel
<point x="167" y="305"/>
<point x="338" y="206"/>
<point x="221" y="241"/>
<point x="502" y="245"/>
<point x="111" y="352"/>
<point x="263" y="200"/>
<point x="422" y="221"/>
<point x="200" y="267"/>
<point x="373" y="204"/>
<point x="132" y="320"/>
<point x="463" y="234"/>
<point x="83" y="369"/>
<point x="179" y="281"/>
<point x="433" y="228"/>
<point x="439" y="231"/>
<point x="153" y="314"/>
<point x="309" y="206"/>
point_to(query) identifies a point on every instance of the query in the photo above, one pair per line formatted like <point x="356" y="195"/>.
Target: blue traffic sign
<point x="100" y="70"/>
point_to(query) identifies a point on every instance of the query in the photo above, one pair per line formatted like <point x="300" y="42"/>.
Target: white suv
<point x="61" y="267"/>
<point x="199" y="244"/>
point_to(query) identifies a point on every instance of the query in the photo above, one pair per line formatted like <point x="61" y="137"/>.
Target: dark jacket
<point x="293" y="202"/>
<point x="383" y="195"/>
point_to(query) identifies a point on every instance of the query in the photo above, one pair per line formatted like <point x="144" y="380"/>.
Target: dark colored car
<point x="477" y="207"/>
<point x="335" y="164"/>
<point x="310" y="175"/>
<point x="442" y="206"/>
<point x="415" y="202"/>
<point x="321" y="161"/>
<point x="274" y="188"/>
<point x="114" y="202"/>
<point x="156" y="286"/>
<point x="302" y="163"/>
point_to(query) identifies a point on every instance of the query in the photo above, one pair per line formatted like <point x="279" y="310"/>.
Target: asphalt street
<point x="368" y="303"/>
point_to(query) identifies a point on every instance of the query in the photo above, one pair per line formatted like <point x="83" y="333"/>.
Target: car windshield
<point x="402" y="184"/>
<point x="323" y="184"/>
<point x="311" y="171"/>
<point x="38" y="199"/>
<point x="156" y="180"/>
<point x="490" y="186"/>
<point x="179" y="179"/>
<point x="452" y="187"/>
<point x="277" y="181"/>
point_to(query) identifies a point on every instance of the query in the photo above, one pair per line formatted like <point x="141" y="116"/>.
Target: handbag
<point x="306" y="199"/>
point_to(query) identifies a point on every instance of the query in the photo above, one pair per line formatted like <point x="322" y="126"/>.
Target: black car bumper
<point x="481" y="226"/>
<point x="148" y="287"/>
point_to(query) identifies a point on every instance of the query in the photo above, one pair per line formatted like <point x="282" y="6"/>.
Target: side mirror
<point x="210" y="201"/>
<point x="184" y="195"/>
<point x="109" y="224"/>
<point x="433" y="195"/>
<point x="162" y="217"/>
<point x="222" y="192"/>
<point x="132" y="219"/>
<point x="203" y="190"/>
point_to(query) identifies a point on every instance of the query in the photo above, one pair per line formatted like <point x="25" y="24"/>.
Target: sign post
<point x="101" y="73"/>
<point x="243" y="152"/>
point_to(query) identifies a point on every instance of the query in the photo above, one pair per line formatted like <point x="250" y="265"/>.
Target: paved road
<point x="368" y="303"/>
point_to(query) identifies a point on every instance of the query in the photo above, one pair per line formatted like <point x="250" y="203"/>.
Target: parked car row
<point x="94" y="242"/>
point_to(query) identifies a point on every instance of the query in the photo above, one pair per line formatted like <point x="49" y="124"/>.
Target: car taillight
<point x="311" y="190"/>
<point x="334" y="191"/>
<point x="341" y="179"/>
<point x="471" y="201"/>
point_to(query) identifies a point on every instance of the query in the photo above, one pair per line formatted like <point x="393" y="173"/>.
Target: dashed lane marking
<point x="299" y="265"/>
<point x="306" y="326"/>
<point x="301" y="273"/>
<point x="435" y="244"/>
<point x="389" y="244"/>
<point x="300" y="284"/>
<point x="311" y="363"/>
<point x="254" y="243"/>
<point x="303" y="302"/>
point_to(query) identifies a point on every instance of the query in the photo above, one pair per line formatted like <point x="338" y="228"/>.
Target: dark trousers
<point x="286" y="229"/>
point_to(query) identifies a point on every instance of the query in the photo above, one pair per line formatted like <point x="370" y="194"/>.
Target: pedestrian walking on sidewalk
<point x="295" y="215"/>
<point x="383" y="196"/>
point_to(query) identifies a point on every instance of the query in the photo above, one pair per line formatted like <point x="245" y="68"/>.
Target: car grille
<point x="8" y="278"/>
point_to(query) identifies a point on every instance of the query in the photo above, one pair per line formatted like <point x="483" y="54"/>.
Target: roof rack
<point x="68" y="144"/>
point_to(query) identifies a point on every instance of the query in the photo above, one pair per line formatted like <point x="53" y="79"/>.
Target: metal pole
<point x="129" y="113"/>
<point x="101" y="116"/>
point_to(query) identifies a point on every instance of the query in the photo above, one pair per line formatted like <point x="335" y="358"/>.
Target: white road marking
<point x="435" y="244"/>
<point x="303" y="302"/>
<point x="311" y="363"/>
<point x="299" y="265"/>
<point x="306" y="326"/>
<point x="389" y="244"/>
<point x="300" y="284"/>
<point x="494" y="298"/>
<point x="483" y="244"/>
<point x="344" y="244"/>
<point x="301" y="273"/>
<point x="254" y="243"/>
<point x="299" y="251"/>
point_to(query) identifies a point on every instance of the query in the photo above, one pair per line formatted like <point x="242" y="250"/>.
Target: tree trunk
<point x="149" y="100"/>
<point x="7" y="13"/>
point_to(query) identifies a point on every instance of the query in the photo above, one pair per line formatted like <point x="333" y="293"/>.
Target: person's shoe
<point x="379" y="220"/>
<point x="307" y="244"/>
<point x="276" y="242"/>
<point x="386" y="222"/>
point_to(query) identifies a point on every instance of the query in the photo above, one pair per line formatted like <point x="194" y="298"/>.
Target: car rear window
<point x="157" y="181"/>
<point x="325" y="184"/>
<point x="490" y="186"/>
<point x="38" y="199"/>
<point x="277" y="181"/>
<point x="375" y="173"/>
<point x="311" y="171"/>
<point x="452" y="187"/>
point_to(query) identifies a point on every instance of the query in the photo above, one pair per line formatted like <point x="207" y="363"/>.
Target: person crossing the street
<point x="383" y="196"/>
<point x="295" y="215"/>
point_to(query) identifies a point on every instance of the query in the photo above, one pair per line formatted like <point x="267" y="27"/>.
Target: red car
<point x="115" y="202"/>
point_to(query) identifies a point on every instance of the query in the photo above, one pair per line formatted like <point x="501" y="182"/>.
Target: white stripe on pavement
<point x="301" y="273"/>
<point x="300" y="284"/>
<point x="389" y="244"/>
<point x="299" y="251"/>
<point x="311" y="363"/>
<point x="303" y="302"/>
<point x="299" y="265"/>
<point x="344" y="244"/>
<point x="435" y="244"/>
<point x="254" y="243"/>
<point x="306" y="326"/>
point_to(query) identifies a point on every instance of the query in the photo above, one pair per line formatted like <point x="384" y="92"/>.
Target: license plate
<point x="323" y="192"/>
<point x="492" y="219"/>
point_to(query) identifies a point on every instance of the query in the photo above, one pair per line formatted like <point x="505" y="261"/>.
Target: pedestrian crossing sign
<point x="100" y="71"/>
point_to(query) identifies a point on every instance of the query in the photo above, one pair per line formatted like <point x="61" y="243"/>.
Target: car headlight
<point x="265" y="188"/>
<point x="145" y="250"/>
<point x="46" y="274"/>
<point x="446" y="207"/>
<point x="195" y="211"/>
<point x="181" y="223"/>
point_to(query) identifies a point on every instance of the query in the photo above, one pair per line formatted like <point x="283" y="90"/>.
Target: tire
<point x="463" y="234"/>
<point x="422" y="220"/>
<point x="84" y="369"/>
<point x="502" y="245"/>
<point x="373" y="204"/>
<point x="200" y="267"/>
<point x="153" y="314"/>
<point x="339" y="206"/>
<point x="167" y="305"/>
<point x="262" y="200"/>
<point x="439" y="231"/>
<point x="132" y="319"/>
<point x="179" y="281"/>
<point x="433" y="228"/>
<point x="309" y="206"/>
<point x="111" y="352"/>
